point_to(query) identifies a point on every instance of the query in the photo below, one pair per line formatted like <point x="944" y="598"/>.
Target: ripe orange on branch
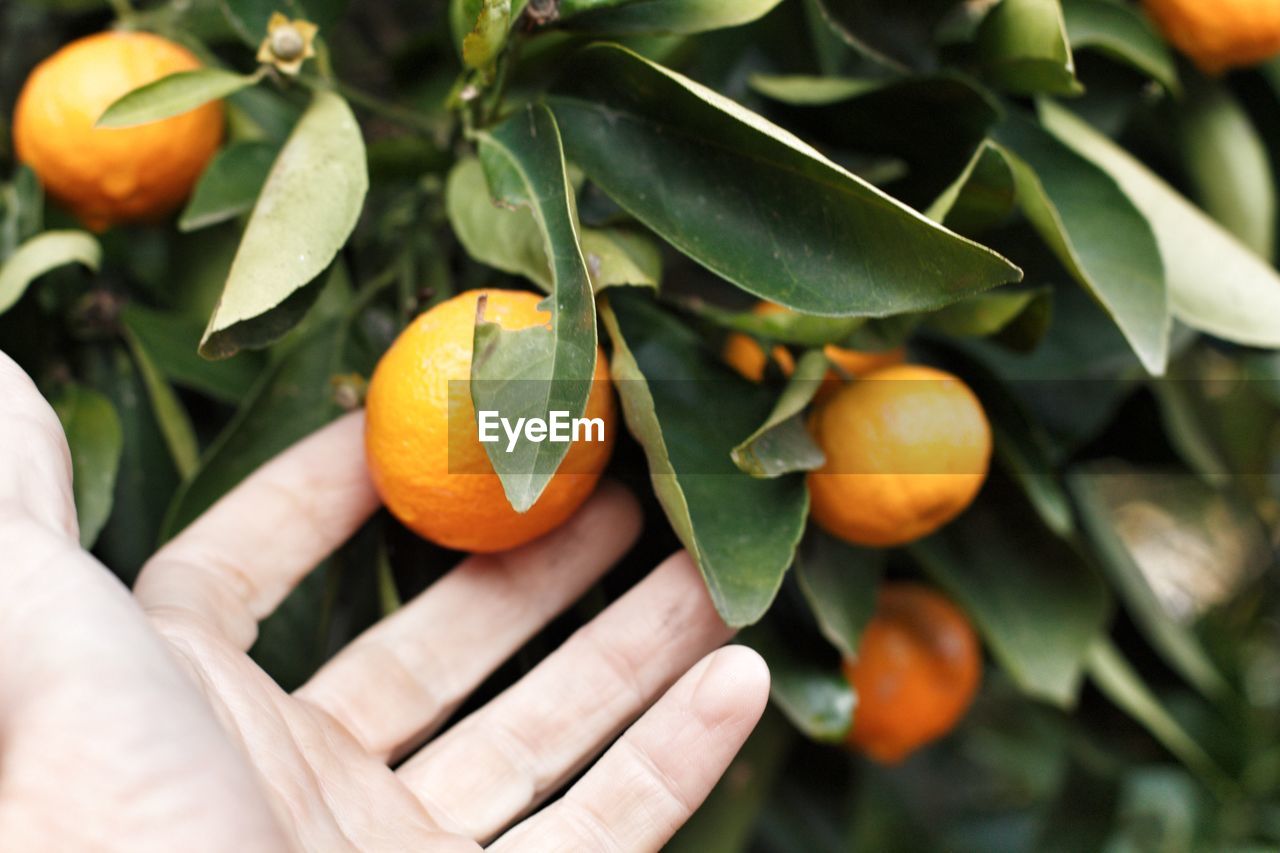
<point x="917" y="670"/>
<point x="907" y="449"/>
<point x="1220" y="34"/>
<point x="431" y="469"/>
<point x="107" y="175"/>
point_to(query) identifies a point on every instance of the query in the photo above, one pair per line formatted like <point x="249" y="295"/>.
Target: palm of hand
<point x="149" y="727"/>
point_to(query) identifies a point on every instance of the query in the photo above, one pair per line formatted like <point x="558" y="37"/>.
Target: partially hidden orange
<point x="106" y="175"/>
<point x="431" y="469"/>
<point x="747" y="357"/>
<point x="1219" y="35"/>
<point x="917" y="670"/>
<point x="907" y="449"/>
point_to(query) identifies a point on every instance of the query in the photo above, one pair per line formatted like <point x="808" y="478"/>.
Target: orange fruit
<point x="917" y="670"/>
<point x="1220" y="34"/>
<point x="745" y="355"/>
<point x="431" y="469"/>
<point x="105" y="176"/>
<point x="907" y="448"/>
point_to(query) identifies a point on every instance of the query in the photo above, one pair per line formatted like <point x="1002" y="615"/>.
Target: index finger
<point x="35" y="464"/>
<point x="234" y="565"/>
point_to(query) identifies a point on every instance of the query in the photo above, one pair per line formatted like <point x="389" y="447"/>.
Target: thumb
<point x="35" y="463"/>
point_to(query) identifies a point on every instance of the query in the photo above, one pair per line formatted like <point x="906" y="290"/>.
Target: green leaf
<point x="39" y="255"/>
<point x="1174" y="549"/>
<point x="1024" y="49"/>
<point x="982" y="197"/>
<point x="23" y="205"/>
<point x="840" y="582"/>
<point x="1037" y="604"/>
<point x="1229" y="165"/>
<point x="529" y="373"/>
<point x="171" y="416"/>
<point x="782" y="444"/>
<point x="1122" y="32"/>
<point x="146" y="479"/>
<point x="786" y="327"/>
<point x="230" y="185"/>
<point x="510" y="240"/>
<point x="1118" y="680"/>
<point x="802" y="90"/>
<point x="741" y="531"/>
<point x="173" y="95"/>
<point x="173" y="338"/>
<point x="659" y="16"/>
<point x="818" y="700"/>
<point x="753" y="203"/>
<point x="306" y="211"/>
<point x="988" y="314"/>
<point x="1216" y="284"/>
<point x="895" y="33"/>
<point x="1098" y="234"/>
<point x="291" y="400"/>
<point x="95" y="439"/>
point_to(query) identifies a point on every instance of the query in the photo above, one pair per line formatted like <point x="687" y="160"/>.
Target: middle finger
<point x="400" y="679"/>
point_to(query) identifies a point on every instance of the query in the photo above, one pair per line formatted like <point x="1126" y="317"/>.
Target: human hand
<point x="142" y="724"/>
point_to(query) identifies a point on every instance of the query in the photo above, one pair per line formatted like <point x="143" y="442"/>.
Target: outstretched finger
<point x="35" y="465"/>
<point x="235" y="564"/>
<point x="649" y="783"/>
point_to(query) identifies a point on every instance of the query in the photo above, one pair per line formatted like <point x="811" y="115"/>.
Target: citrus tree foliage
<point x="1033" y="194"/>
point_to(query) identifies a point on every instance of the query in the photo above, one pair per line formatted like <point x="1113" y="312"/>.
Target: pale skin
<point x="138" y="722"/>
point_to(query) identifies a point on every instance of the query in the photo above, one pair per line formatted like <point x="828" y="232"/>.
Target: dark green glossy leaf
<point x="1216" y="284"/>
<point x="529" y="373"/>
<point x="840" y="582"/>
<point x="173" y="339"/>
<point x="1229" y="165"/>
<point x="43" y="253"/>
<point x="1122" y="32"/>
<point x="291" y="400"/>
<point x="173" y="95"/>
<point x="95" y="439"/>
<point x="753" y="203"/>
<point x="306" y="211"/>
<point x="659" y="16"/>
<point x="782" y="444"/>
<point x="1097" y="233"/>
<point x="1024" y="49"/>
<point x="511" y="241"/>
<point x="741" y="531"/>
<point x="146" y="479"/>
<point x="230" y="185"/>
<point x="1037" y="604"/>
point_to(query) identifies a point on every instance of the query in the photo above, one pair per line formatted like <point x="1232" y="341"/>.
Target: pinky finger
<point x="652" y="780"/>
